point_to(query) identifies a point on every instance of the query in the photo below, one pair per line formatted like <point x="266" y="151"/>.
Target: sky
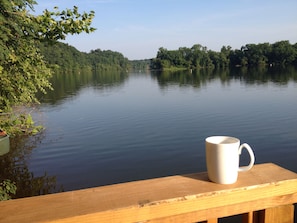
<point x="138" y="28"/>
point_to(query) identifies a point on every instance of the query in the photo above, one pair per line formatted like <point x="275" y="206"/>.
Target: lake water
<point x="109" y="128"/>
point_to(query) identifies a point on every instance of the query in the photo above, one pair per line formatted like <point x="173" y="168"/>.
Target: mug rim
<point x="222" y="140"/>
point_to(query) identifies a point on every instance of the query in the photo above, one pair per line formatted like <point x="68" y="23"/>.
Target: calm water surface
<point x="109" y="128"/>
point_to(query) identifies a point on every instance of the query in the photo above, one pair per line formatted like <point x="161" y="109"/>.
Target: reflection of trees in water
<point x="14" y="166"/>
<point x="108" y="79"/>
<point x="195" y="78"/>
<point x="69" y="84"/>
<point x="261" y="75"/>
<point x="200" y="77"/>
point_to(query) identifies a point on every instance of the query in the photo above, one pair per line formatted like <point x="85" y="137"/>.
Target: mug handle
<point x="252" y="156"/>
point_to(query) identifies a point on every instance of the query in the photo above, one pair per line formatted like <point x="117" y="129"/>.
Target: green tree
<point x="221" y="59"/>
<point x="256" y="54"/>
<point x="163" y="59"/>
<point x="7" y="188"/>
<point x="283" y="52"/>
<point x="23" y="71"/>
<point x="295" y="51"/>
<point x="64" y="58"/>
<point x="107" y="60"/>
<point x="237" y="58"/>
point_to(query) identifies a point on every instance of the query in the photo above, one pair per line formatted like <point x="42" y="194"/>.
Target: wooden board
<point x="190" y="197"/>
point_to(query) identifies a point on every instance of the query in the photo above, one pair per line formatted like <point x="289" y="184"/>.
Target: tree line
<point x="198" y="56"/>
<point x="65" y="58"/>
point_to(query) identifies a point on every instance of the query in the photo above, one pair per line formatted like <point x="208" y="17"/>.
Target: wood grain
<point x="182" y="198"/>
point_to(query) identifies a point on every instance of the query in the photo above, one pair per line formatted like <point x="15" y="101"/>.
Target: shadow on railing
<point x="265" y="194"/>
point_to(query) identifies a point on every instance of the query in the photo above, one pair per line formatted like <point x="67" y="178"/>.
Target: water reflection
<point x="183" y="78"/>
<point x="262" y="75"/>
<point x="14" y="166"/>
<point x="69" y="84"/>
<point x="104" y="80"/>
<point x="198" y="78"/>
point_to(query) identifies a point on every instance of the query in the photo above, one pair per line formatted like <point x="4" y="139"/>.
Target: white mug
<point x="222" y="158"/>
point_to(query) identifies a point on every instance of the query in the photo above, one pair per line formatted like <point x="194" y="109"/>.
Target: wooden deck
<point x="265" y="194"/>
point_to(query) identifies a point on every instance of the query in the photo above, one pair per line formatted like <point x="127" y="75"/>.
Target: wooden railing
<point x="265" y="194"/>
